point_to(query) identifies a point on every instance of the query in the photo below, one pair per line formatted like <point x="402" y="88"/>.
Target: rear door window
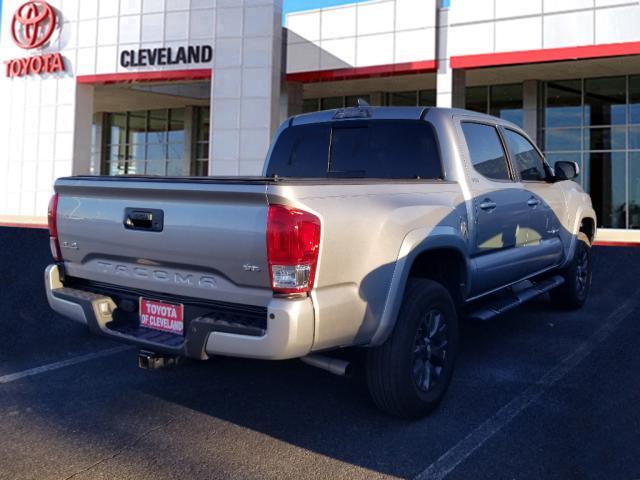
<point x="486" y="151"/>
<point x="373" y="149"/>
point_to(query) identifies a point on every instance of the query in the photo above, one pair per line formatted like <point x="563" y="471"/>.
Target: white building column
<point x="245" y="100"/>
<point x="450" y="83"/>
<point x="290" y="99"/>
<point x="82" y="130"/>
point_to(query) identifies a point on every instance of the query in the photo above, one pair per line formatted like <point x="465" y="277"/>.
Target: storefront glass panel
<point x="477" y="99"/>
<point x="118" y="128"/>
<point x="608" y="138"/>
<point x="505" y="101"/>
<point x="330" y="103"/>
<point x="562" y="139"/>
<point x="176" y="131"/>
<point x="605" y="101"/>
<point x="310" y="105"/>
<point x="403" y="99"/>
<point x="137" y="128"/>
<point x="634" y="190"/>
<point x="563" y="104"/>
<point x="605" y="176"/>
<point x="634" y="137"/>
<point x="427" y="98"/>
<point x="634" y="99"/>
<point x="412" y="98"/>
<point x="157" y="126"/>
<point x="352" y="100"/>
<point x="153" y="142"/>
<point x="596" y="123"/>
<point x="136" y="159"/>
<point x="200" y="154"/>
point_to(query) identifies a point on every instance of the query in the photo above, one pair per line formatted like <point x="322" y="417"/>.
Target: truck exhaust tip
<point x="148" y="360"/>
<point x="336" y="366"/>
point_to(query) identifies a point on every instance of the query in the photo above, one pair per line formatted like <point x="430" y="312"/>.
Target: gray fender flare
<point x="584" y="212"/>
<point x="415" y="243"/>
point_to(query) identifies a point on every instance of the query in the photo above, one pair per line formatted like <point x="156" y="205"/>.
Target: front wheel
<point x="577" y="277"/>
<point x="409" y="374"/>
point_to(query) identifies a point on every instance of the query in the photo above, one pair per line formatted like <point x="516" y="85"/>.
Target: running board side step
<point x="490" y="310"/>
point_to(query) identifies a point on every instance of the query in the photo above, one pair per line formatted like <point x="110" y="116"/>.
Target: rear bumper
<point x="289" y="333"/>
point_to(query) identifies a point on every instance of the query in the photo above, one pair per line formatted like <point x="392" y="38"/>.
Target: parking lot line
<point x="472" y="442"/>
<point x="12" y="377"/>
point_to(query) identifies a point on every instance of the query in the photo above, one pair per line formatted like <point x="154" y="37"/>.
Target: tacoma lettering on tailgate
<point x="159" y="275"/>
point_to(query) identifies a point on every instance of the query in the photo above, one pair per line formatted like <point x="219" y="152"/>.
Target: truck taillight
<point x="52" y="216"/>
<point x="293" y="244"/>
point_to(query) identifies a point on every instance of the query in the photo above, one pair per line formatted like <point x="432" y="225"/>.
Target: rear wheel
<point x="577" y="277"/>
<point x="409" y="374"/>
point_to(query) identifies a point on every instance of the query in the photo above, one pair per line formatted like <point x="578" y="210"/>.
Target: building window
<point x="310" y="105"/>
<point x="412" y="98"/>
<point x="503" y="101"/>
<point x="477" y="99"/>
<point x="352" y="100"/>
<point x="427" y="98"/>
<point x="329" y="103"/>
<point x="402" y="99"/>
<point x="154" y="142"/>
<point x="596" y="123"/>
<point x="633" y="188"/>
<point x="96" y="150"/>
<point x="200" y="166"/>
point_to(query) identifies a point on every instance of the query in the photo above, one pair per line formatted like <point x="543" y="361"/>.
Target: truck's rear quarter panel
<point x="363" y="227"/>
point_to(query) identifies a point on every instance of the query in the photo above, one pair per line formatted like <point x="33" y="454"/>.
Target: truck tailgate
<point x="207" y="239"/>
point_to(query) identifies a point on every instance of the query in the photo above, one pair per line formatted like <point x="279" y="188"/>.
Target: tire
<point x="577" y="278"/>
<point x="405" y="376"/>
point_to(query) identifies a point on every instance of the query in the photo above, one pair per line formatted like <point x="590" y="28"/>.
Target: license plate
<point x="165" y="317"/>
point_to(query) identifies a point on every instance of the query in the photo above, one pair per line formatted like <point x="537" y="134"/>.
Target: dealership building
<point x="198" y="87"/>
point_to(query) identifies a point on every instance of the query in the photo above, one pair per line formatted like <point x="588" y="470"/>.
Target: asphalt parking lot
<point x="537" y="394"/>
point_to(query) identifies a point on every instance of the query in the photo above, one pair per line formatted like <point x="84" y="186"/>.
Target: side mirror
<point x="566" y="170"/>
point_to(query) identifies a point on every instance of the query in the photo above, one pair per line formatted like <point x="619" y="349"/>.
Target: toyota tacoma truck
<point x="371" y="227"/>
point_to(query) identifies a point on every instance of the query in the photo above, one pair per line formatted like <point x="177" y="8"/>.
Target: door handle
<point x="143" y="219"/>
<point x="488" y="205"/>
<point x="533" y="202"/>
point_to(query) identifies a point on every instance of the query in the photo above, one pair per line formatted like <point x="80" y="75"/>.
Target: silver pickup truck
<point x="375" y="228"/>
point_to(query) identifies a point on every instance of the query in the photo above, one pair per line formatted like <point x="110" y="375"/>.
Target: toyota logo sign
<point x="33" y="24"/>
<point x="31" y="27"/>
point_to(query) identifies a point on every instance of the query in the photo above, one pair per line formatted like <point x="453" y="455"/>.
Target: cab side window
<point x="526" y="158"/>
<point x="486" y="151"/>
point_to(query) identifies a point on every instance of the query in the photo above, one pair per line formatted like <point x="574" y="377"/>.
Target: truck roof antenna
<point x="363" y="103"/>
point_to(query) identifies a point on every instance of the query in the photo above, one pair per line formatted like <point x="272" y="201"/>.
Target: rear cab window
<point x="358" y="149"/>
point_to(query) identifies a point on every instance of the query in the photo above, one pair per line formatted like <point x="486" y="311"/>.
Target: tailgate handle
<point x="144" y="219"/>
